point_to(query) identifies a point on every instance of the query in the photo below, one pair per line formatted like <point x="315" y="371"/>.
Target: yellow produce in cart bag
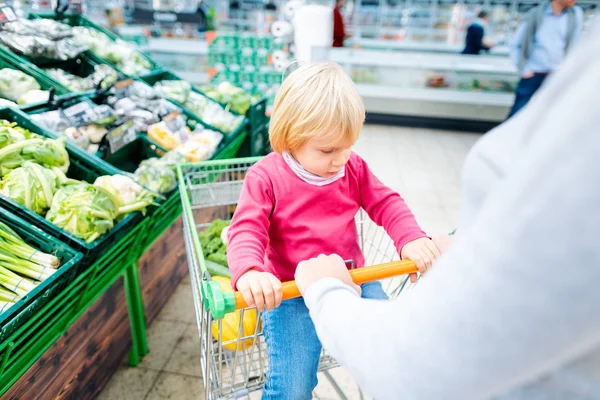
<point x="231" y="323"/>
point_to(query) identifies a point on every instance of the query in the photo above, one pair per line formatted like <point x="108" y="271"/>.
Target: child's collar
<point x="307" y="176"/>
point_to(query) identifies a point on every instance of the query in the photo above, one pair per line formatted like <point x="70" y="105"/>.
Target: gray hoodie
<point x="512" y="310"/>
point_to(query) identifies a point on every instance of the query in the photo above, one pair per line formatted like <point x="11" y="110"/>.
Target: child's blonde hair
<point x="316" y="99"/>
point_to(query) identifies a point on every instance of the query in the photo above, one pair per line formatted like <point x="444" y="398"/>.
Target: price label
<point x="121" y="136"/>
<point x="122" y="87"/>
<point x="175" y="122"/>
<point x="80" y="114"/>
<point x="7" y="14"/>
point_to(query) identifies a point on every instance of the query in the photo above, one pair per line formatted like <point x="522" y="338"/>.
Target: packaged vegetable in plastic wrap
<point x="169" y="160"/>
<point x="200" y="146"/>
<point x="84" y="210"/>
<point x="236" y="98"/>
<point x="14" y="83"/>
<point x="174" y="89"/>
<point x="41" y="38"/>
<point x="156" y="178"/>
<point x="158" y="174"/>
<point x="102" y="73"/>
<point x="33" y="97"/>
<point x="33" y="186"/>
<point x="212" y="113"/>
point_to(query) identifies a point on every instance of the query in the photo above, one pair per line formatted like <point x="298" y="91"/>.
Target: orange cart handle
<point x="359" y="276"/>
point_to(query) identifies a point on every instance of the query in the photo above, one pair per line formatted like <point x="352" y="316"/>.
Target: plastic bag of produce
<point x="174" y="89"/>
<point x="33" y="97"/>
<point x="160" y="179"/>
<point x="200" y="146"/>
<point x="14" y="83"/>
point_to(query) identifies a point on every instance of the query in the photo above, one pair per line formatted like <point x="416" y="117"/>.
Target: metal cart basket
<point x="234" y="367"/>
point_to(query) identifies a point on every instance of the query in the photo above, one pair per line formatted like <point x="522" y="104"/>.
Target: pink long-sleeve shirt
<point x="281" y="220"/>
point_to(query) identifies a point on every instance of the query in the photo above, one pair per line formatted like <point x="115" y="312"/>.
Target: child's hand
<point x="422" y="252"/>
<point x="260" y="289"/>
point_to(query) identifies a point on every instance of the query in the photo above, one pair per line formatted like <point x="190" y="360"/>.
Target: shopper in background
<point x="339" y="30"/>
<point x="511" y="309"/>
<point x="302" y="200"/>
<point x="476" y="41"/>
<point x="540" y="44"/>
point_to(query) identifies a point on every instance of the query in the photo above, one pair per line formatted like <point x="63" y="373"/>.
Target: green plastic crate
<point x="25" y="345"/>
<point x="80" y="20"/>
<point x="14" y="320"/>
<point x="9" y="60"/>
<point x="83" y="167"/>
<point x="28" y="305"/>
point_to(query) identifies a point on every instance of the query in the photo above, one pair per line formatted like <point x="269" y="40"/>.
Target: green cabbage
<point x="11" y="133"/>
<point x="85" y="210"/>
<point x="129" y="195"/>
<point x="46" y="152"/>
<point x="33" y="186"/>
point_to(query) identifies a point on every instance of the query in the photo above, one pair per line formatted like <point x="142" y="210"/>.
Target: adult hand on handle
<point x="313" y="270"/>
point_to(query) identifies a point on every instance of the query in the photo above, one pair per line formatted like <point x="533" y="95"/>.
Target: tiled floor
<point x="423" y="165"/>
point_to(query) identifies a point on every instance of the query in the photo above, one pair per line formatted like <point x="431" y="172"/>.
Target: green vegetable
<point x="156" y="178"/>
<point x="85" y="210"/>
<point x="129" y="195"/>
<point x="213" y="247"/>
<point x="46" y="152"/>
<point x="217" y="269"/>
<point x="175" y="90"/>
<point x="33" y="186"/>
<point x="18" y="262"/>
<point x="236" y="98"/>
<point x="14" y="84"/>
<point x="11" y="133"/>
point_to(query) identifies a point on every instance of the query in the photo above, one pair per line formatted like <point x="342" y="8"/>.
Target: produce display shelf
<point x="82" y="167"/>
<point x="10" y="60"/>
<point x="21" y="311"/>
<point x="152" y="79"/>
<point x="20" y="348"/>
<point x="80" y="20"/>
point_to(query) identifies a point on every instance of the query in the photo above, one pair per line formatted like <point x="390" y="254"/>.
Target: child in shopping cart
<point x="301" y="201"/>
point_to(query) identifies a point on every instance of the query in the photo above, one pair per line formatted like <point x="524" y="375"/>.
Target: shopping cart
<point x="236" y="367"/>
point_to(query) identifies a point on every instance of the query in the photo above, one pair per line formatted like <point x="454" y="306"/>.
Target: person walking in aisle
<point x="540" y="44"/>
<point x="339" y="29"/>
<point x="510" y="309"/>
<point x="476" y="41"/>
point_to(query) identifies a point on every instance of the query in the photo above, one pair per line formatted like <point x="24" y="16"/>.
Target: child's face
<point x="322" y="158"/>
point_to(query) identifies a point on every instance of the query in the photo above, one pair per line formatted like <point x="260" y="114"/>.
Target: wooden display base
<point x="83" y="359"/>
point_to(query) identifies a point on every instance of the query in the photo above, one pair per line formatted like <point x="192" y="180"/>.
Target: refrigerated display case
<point x="437" y="25"/>
<point x="431" y="86"/>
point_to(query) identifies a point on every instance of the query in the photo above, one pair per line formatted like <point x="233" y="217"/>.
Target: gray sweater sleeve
<point x="516" y="295"/>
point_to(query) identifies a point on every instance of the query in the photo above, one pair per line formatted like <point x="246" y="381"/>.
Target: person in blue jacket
<point x="475" y="41"/>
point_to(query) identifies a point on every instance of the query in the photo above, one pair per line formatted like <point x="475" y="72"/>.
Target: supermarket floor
<point x="423" y="165"/>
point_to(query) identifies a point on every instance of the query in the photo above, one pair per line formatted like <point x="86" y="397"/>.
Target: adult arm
<point x="516" y="295"/>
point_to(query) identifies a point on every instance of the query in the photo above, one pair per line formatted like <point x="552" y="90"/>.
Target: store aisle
<point x="423" y="165"/>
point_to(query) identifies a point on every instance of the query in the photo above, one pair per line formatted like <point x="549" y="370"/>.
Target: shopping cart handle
<point x="221" y="303"/>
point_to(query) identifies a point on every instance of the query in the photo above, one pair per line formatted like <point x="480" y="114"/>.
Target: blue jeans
<point x="294" y="349"/>
<point x="525" y="91"/>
